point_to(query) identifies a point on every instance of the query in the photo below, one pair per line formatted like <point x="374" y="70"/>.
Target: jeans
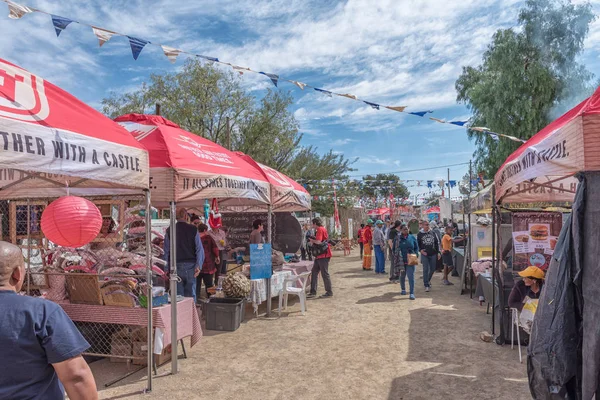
<point x="303" y="252"/>
<point x="379" y="260"/>
<point x="186" y="285"/>
<point x="208" y="282"/>
<point x="408" y="270"/>
<point x="362" y="247"/>
<point x="320" y="265"/>
<point x="429" y="265"/>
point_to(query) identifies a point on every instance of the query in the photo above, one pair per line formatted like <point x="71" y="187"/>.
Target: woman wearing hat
<point x="530" y="286"/>
<point x="367" y="237"/>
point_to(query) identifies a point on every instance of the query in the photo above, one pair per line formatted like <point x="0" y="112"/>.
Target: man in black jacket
<point x="189" y="254"/>
<point x="429" y="246"/>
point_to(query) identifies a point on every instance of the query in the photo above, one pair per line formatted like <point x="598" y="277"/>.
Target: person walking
<point x="439" y="266"/>
<point x="394" y="270"/>
<point x="40" y="347"/>
<point x="360" y="240"/>
<point x="447" y="244"/>
<point x="309" y="234"/>
<point x="405" y="244"/>
<point x="189" y="254"/>
<point x="430" y="252"/>
<point x="211" y="261"/>
<point x="379" y="244"/>
<point x="367" y="236"/>
<point x="321" y="264"/>
<point x="303" y="242"/>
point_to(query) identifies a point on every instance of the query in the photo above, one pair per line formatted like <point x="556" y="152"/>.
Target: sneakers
<point x="311" y="295"/>
<point x="327" y="295"/>
<point x="427" y="288"/>
<point x="403" y="293"/>
<point x="412" y="297"/>
<point x="447" y="282"/>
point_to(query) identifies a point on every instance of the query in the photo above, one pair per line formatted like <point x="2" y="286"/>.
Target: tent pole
<point x="149" y="294"/>
<point x="269" y="240"/>
<point x="494" y="221"/>
<point x="173" y="286"/>
<point x="470" y="246"/>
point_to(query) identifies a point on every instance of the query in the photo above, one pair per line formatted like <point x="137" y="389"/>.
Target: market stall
<point x="433" y="213"/>
<point x="559" y="166"/>
<point x="187" y="170"/>
<point x="54" y="145"/>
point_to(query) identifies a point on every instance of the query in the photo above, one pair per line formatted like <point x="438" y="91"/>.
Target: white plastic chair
<point x="515" y="325"/>
<point x="289" y="287"/>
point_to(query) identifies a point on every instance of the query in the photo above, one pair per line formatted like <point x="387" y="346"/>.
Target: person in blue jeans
<point x="405" y="244"/>
<point x="379" y="245"/>
<point x="189" y="254"/>
<point x="429" y="246"/>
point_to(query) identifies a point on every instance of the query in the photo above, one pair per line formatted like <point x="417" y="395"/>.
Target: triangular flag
<point x="373" y="105"/>
<point x="239" y="69"/>
<point x="350" y="96"/>
<point x="441" y="121"/>
<point x="171" y="53"/>
<point x="399" y="108"/>
<point x="60" y="23"/>
<point x="327" y="92"/>
<point x="459" y="123"/>
<point x="16" y="11"/>
<point x="213" y="59"/>
<point x="494" y="137"/>
<point x="274" y="78"/>
<point x="420" y="113"/>
<point x="429" y="184"/>
<point x="299" y="84"/>
<point x="102" y="34"/>
<point x="137" y="45"/>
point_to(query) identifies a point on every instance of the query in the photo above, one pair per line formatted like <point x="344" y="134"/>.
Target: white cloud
<point x="342" y="142"/>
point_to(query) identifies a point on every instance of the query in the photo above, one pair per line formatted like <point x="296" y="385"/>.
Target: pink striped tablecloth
<point x="188" y="322"/>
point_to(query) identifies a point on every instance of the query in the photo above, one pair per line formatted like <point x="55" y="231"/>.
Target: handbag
<point x="319" y="249"/>
<point x="413" y="259"/>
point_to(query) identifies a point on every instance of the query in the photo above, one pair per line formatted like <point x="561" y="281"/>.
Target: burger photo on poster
<point x="538" y="232"/>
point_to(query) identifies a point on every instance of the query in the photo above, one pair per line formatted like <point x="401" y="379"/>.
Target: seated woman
<point x="530" y="286"/>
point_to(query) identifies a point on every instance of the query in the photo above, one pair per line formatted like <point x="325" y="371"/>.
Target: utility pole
<point x="228" y="131"/>
<point x="449" y="198"/>
<point x="157" y="111"/>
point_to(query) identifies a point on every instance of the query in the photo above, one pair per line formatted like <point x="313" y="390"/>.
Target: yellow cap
<point x="532" y="272"/>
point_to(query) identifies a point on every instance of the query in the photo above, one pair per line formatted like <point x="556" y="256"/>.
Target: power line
<point x="413" y="170"/>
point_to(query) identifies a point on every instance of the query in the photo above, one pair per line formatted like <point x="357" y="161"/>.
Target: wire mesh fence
<point x="103" y="286"/>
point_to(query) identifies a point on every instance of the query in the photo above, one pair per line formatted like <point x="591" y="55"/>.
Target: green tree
<point x="528" y="76"/>
<point x="201" y="99"/>
<point x="382" y="185"/>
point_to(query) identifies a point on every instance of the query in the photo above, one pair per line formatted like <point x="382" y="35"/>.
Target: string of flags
<point x="429" y="183"/>
<point x="17" y="11"/>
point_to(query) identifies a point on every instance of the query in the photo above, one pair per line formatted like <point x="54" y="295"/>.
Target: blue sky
<point x="403" y="53"/>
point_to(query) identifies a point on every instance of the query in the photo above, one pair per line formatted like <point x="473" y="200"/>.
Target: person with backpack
<point x="322" y="253"/>
<point x="405" y="244"/>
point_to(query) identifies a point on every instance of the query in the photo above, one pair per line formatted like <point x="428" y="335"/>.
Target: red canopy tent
<point x="50" y="139"/>
<point x="543" y="168"/>
<point x="187" y="169"/>
<point x="286" y="194"/>
<point x="433" y="210"/>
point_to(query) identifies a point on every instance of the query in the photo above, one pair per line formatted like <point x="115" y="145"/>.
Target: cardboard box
<point x="120" y="348"/>
<point x="83" y="289"/>
<point x="140" y="351"/>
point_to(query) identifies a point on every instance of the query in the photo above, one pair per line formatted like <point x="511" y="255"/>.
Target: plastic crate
<point x="224" y="314"/>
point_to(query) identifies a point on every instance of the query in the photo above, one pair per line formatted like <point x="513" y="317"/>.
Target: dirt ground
<point x="367" y="342"/>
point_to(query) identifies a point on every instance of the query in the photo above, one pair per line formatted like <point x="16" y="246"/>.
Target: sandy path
<point x="367" y="342"/>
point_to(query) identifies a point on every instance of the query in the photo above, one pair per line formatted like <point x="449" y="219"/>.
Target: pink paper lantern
<point x="71" y="221"/>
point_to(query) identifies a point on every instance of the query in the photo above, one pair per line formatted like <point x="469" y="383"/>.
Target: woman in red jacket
<point x="211" y="260"/>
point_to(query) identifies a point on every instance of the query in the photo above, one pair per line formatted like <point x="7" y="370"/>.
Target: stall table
<point x="484" y="288"/>
<point x="188" y="322"/>
<point x="258" y="289"/>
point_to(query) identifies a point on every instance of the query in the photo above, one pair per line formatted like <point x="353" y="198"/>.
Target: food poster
<point x="534" y="238"/>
